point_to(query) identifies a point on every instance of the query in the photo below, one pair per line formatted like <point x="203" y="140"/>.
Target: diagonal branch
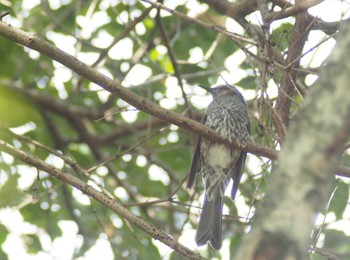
<point x="137" y="101"/>
<point x="114" y="87"/>
<point x="101" y="197"/>
<point x="237" y="9"/>
<point x="291" y="10"/>
<point x="122" y="35"/>
<point x="233" y="36"/>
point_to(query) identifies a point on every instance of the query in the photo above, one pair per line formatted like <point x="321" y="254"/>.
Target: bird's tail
<point x="210" y="226"/>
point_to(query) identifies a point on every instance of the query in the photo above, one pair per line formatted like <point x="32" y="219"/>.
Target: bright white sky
<point x="63" y="247"/>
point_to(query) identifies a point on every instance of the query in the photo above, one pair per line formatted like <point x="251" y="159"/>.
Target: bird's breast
<point x="216" y="155"/>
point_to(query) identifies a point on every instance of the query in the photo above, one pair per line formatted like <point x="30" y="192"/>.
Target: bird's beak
<point x="205" y="87"/>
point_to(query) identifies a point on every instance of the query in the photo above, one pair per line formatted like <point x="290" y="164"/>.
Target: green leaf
<point x="3" y="236"/>
<point x="248" y="82"/>
<point x="336" y="240"/>
<point x="340" y="199"/>
<point x="10" y="195"/>
<point x="280" y="37"/>
<point x="32" y="242"/>
<point x="17" y="108"/>
<point x="234" y="243"/>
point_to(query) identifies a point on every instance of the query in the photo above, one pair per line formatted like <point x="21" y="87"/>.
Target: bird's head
<point x="222" y="90"/>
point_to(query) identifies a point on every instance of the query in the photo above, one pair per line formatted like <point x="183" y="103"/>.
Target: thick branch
<point x="291" y="10"/>
<point x="114" y="87"/>
<point x="132" y="98"/>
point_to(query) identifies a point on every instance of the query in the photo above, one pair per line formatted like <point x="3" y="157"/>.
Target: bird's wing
<point x="238" y="170"/>
<point x="195" y="159"/>
<point x="237" y="174"/>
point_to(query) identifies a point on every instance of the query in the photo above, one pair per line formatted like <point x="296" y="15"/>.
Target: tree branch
<point x="234" y="37"/>
<point x="237" y="9"/>
<point x="302" y="184"/>
<point x="114" y="87"/>
<point x="100" y="197"/>
<point x="121" y="36"/>
<point x="291" y="10"/>
<point x="286" y="91"/>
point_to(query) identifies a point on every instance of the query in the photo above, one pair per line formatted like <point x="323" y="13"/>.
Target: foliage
<point x="140" y="160"/>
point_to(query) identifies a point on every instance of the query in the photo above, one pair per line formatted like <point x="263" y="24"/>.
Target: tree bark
<point x="301" y="185"/>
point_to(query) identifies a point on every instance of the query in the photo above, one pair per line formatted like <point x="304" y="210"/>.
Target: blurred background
<point x="140" y="160"/>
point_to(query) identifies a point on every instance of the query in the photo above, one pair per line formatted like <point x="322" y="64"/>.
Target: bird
<point x="227" y="114"/>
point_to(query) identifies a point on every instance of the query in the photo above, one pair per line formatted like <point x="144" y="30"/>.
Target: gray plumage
<point x="228" y="115"/>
